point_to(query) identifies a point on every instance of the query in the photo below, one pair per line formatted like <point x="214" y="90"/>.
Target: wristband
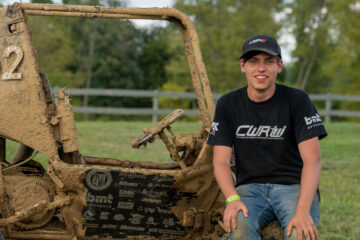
<point x="232" y="198"/>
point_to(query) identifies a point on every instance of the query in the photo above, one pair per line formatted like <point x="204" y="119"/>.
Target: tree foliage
<point x="222" y="27"/>
<point x="327" y="49"/>
<point x="56" y="56"/>
<point x="101" y="53"/>
<point x="309" y="22"/>
<point x="109" y="53"/>
<point x="343" y="58"/>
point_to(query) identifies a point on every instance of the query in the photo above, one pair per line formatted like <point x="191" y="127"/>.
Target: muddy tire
<point x="272" y="231"/>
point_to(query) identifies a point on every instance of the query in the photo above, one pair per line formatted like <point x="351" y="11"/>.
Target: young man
<point x="274" y="131"/>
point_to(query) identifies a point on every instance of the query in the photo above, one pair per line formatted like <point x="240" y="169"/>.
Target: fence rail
<point x="155" y="111"/>
<point x="328" y="112"/>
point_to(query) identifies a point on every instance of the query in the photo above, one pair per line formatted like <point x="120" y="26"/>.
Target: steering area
<point x="158" y="129"/>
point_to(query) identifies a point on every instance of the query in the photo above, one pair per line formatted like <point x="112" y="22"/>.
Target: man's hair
<point x="254" y="53"/>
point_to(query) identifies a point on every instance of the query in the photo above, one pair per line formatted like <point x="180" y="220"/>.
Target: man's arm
<point x="223" y="176"/>
<point x="310" y="176"/>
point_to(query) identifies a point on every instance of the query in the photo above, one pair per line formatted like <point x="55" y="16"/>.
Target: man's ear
<point x="242" y="65"/>
<point x="280" y="65"/>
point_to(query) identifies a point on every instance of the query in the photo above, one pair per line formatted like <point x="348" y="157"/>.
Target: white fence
<point x="328" y="112"/>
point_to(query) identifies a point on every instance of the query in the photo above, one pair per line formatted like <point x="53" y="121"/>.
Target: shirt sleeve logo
<point x="214" y="128"/>
<point x="313" y="121"/>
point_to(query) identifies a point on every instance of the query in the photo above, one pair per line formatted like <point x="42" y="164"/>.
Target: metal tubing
<point x="38" y="235"/>
<point x="91" y="15"/>
<point x="129" y="164"/>
<point x="195" y="76"/>
<point x="2" y="149"/>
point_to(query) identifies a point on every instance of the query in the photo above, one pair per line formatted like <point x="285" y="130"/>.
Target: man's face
<point x="261" y="71"/>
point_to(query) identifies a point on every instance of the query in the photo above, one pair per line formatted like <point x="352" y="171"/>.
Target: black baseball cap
<point x="261" y="43"/>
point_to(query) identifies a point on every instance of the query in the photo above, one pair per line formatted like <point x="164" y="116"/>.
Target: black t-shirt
<point x="265" y="135"/>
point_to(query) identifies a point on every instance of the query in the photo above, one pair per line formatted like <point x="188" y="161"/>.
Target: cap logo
<point x="257" y="40"/>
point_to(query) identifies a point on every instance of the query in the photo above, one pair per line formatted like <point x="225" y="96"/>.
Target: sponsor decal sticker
<point x="98" y="179"/>
<point x="214" y="128"/>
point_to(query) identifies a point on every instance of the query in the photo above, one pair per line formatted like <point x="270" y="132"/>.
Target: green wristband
<point x="232" y="198"/>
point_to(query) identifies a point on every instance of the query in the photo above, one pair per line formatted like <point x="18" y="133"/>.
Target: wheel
<point x="149" y="135"/>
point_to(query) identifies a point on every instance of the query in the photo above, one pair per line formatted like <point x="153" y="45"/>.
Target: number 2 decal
<point x="10" y="74"/>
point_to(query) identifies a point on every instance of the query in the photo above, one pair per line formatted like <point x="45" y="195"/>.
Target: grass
<point x="339" y="184"/>
<point x="113" y="139"/>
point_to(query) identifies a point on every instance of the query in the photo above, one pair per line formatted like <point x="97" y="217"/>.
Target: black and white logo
<point x="313" y="121"/>
<point x="260" y="132"/>
<point x="214" y="128"/>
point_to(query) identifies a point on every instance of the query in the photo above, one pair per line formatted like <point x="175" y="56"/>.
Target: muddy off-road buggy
<point x="79" y="197"/>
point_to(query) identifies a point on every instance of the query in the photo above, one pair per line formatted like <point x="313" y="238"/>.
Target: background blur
<point x="320" y="41"/>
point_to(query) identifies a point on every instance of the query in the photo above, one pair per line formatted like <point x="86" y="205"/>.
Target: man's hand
<point x="304" y="225"/>
<point x="231" y="211"/>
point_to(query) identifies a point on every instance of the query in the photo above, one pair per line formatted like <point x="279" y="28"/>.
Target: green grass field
<point x="340" y="182"/>
<point x="340" y="179"/>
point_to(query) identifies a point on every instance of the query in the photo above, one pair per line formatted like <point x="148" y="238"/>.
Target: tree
<point x="341" y="67"/>
<point x="310" y="22"/>
<point x="343" y="59"/>
<point x="89" y="33"/>
<point x="222" y="27"/>
<point x="101" y="53"/>
<point x="324" y="30"/>
<point x="154" y="56"/>
<point x="55" y="53"/>
<point x="123" y="57"/>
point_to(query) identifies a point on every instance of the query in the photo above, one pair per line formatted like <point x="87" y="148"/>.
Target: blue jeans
<point x="265" y="203"/>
